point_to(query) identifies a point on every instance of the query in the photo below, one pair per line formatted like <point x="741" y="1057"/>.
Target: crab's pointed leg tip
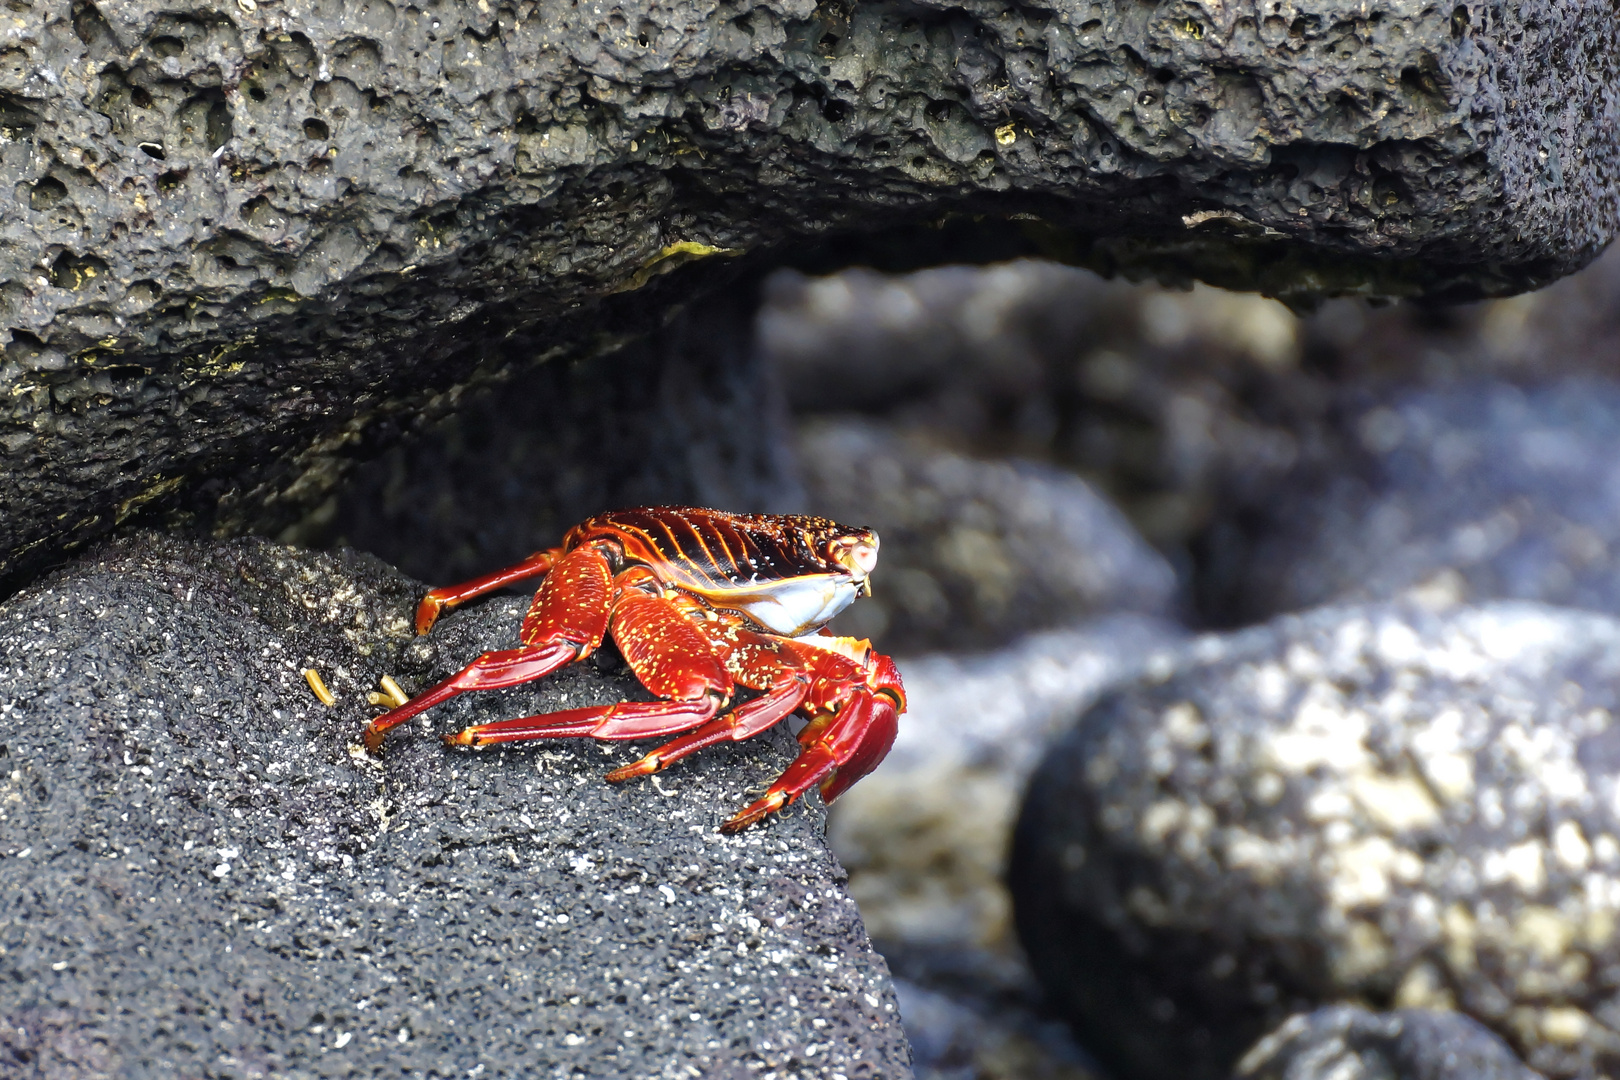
<point x="645" y="767"/>
<point x="372" y="738"/>
<point x="756" y="812"/>
<point x="427" y="613"/>
<point x="461" y="738"/>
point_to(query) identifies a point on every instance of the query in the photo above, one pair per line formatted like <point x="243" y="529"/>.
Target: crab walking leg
<point x="864" y="727"/>
<point x="756" y="661"/>
<point x="437" y="601"/>
<point x="491" y="671"/>
<point x="670" y="658"/>
<point x="568" y="620"/>
<point x="744" y="722"/>
<point x="626" y="720"/>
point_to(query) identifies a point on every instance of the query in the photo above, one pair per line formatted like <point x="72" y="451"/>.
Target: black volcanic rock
<point x="683" y="417"/>
<point x="1367" y="803"/>
<point x="200" y="874"/>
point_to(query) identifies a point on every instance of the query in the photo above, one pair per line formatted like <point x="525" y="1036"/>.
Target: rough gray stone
<point x="975" y="553"/>
<point x="1379" y="803"/>
<point x="237" y="234"/>
<point x="1345" y="1042"/>
<point x="201" y="875"/>
<point x="1478" y="491"/>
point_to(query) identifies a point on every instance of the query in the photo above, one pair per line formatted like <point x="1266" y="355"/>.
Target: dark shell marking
<point x="712" y="554"/>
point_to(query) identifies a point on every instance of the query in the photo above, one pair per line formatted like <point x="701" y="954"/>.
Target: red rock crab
<point x="700" y="602"/>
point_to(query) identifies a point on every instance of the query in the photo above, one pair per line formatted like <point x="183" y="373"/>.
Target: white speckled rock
<point x="1344" y="1042"/>
<point x="1382" y="803"/>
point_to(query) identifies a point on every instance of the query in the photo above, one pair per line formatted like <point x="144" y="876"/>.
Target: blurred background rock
<point x="1068" y="474"/>
<point x="1190" y="410"/>
<point x="1276" y="460"/>
<point x="976" y="552"/>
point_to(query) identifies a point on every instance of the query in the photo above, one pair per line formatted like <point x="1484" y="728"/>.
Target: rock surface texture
<point x="200" y="876"/>
<point x="1379" y="803"/>
<point x="236" y="234"/>
<point x="1344" y="1042"/>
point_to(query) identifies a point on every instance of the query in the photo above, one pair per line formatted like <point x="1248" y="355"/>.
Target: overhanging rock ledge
<point x="240" y="239"/>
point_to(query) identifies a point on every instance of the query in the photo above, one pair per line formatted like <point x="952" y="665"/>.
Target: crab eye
<point x="864" y="556"/>
<point x="858" y="552"/>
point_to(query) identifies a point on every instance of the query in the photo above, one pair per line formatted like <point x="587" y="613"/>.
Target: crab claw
<point x="838" y="749"/>
<point x="881" y="722"/>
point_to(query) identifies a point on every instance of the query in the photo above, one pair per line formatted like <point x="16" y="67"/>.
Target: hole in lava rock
<point x="47" y="193"/>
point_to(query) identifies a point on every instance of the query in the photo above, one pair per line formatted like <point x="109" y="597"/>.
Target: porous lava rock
<point x="237" y="234"/>
<point x="1380" y="803"/>
<point x="1346" y="1042"/>
<point x="203" y="875"/>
